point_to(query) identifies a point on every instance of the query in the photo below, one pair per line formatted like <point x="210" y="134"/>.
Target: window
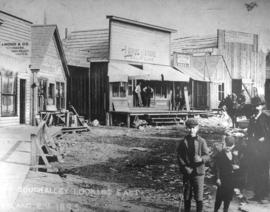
<point x="118" y="89"/>
<point x="130" y="90"/>
<point x="161" y="91"/>
<point x="42" y="94"/>
<point x="9" y="94"/>
<point x="60" y="95"/>
<point x="221" y="91"/>
<point x="51" y="96"/>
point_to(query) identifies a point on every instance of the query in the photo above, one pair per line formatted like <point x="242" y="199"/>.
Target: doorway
<point x="22" y="100"/>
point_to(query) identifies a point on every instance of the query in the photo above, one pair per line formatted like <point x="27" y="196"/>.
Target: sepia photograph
<point x="134" y="105"/>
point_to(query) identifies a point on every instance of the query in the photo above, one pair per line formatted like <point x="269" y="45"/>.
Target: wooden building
<point x="33" y="70"/>
<point x="49" y="70"/>
<point x="232" y="60"/>
<point x="120" y="57"/>
<point x="15" y="54"/>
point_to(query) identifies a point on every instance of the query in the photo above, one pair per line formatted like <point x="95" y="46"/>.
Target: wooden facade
<point x="231" y="59"/>
<point x="15" y="75"/>
<point x="32" y="70"/>
<point x="118" y="60"/>
<point x="51" y="72"/>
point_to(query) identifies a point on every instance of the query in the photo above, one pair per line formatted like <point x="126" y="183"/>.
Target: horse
<point x="235" y="110"/>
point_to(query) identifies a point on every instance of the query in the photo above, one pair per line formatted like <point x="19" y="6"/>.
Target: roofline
<point x="42" y="25"/>
<point x="138" y="23"/>
<point x="16" y="17"/>
<point x="63" y="58"/>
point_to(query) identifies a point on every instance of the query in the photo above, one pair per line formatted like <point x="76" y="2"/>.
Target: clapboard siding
<point x="95" y="42"/>
<point x="14" y="29"/>
<point x="51" y="66"/>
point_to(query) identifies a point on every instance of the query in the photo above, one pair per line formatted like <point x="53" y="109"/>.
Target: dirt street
<point x="118" y="169"/>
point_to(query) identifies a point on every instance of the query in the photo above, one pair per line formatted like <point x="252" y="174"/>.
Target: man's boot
<point x="199" y="206"/>
<point x="187" y="205"/>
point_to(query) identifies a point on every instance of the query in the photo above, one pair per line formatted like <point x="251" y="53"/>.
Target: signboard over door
<point x="139" y="44"/>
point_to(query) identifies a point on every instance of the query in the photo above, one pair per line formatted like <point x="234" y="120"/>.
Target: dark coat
<point x="224" y="171"/>
<point x="257" y="129"/>
<point x="187" y="167"/>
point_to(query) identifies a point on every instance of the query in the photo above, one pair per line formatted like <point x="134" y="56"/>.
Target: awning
<point x="120" y="72"/>
<point x="193" y="73"/>
<point x="166" y="73"/>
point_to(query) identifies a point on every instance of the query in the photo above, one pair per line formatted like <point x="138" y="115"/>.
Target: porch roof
<point x="121" y="72"/>
<point x="193" y="73"/>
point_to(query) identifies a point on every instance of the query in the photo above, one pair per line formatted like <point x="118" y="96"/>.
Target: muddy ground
<point x="118" y="169"/>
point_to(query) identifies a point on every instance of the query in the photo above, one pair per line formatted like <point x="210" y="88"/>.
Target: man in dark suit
<point x="259" y="135"/>
<point x="192" y="154"/>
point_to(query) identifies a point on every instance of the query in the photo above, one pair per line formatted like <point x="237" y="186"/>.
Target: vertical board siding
<point x="79" y="92"/>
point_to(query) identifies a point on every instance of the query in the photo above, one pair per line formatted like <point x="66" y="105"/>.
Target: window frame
<point x="118" y="93"/>
<point x="14" y="94"/>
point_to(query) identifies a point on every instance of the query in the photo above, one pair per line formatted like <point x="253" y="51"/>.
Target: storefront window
<point x="51" y="96"/>
<point x="118" y="89"/>
<point x="42" y="94"/>
<point x="221" y="91"/>
<point x="161" y="91"/>
<point x="9" y="94"/>
<point x="60" y="95"/>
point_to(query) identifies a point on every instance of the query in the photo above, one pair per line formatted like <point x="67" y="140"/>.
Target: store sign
<point x="139" y="54"/>
<point x="17" y="48"/>
<point x="139" y="44"/>
<point x="196" y="51"/>
<point x="239" y="37"/>
<point x="183" y="60"/>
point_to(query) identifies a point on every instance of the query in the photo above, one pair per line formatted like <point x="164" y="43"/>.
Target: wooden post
<point x="34" y="161"/>
<point x="67" y="119"/>
<point x="186" y="98"/>
<point x="128" y="120"/>
<point x="107" y="119"/>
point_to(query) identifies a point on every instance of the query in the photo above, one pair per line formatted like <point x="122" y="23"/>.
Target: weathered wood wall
<point x="242" y="55"/>
<point x="79" y="90"/>
<point x="14" y="29"/>
<point x="99" y="91"/>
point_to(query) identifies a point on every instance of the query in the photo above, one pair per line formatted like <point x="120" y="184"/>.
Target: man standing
<point x="148" y="91"/>
<point x="259" y="135"/>
<point x="192" y="154"/>
<point x="138" y="92"/>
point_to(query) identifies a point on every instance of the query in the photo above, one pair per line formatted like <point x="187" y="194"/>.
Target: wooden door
<point x="22" y="100"/>
<point x="99" y="92"/>
<point x="236" y="86"/>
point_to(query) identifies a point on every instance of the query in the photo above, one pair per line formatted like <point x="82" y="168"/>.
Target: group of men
<point x="193" y="153"/>
<point x="143" y="96"/>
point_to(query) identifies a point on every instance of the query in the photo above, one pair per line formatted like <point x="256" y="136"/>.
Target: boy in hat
<point x="226" y="163"/>
<point x="192" y="154"/>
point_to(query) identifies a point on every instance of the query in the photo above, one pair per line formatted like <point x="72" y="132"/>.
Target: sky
<point x="188" y="17"/>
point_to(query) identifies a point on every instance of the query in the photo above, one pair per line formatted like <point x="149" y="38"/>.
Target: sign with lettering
<point x="17" y="47"/>
<point x="139" y="44"/>
<point x="196" y="51"/>
<point x="239" y="37"/>
<point x="183" y="60"/>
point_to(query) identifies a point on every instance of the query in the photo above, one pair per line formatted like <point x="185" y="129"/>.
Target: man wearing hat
<point x="259" y="135"/>
<point x="192" y="154"/>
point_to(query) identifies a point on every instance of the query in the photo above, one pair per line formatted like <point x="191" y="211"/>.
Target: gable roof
<point x="138" y="23"/>
<point x="93" y="42"/>
<point x="194" y="42"/>
<point x="41" y="36"/>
